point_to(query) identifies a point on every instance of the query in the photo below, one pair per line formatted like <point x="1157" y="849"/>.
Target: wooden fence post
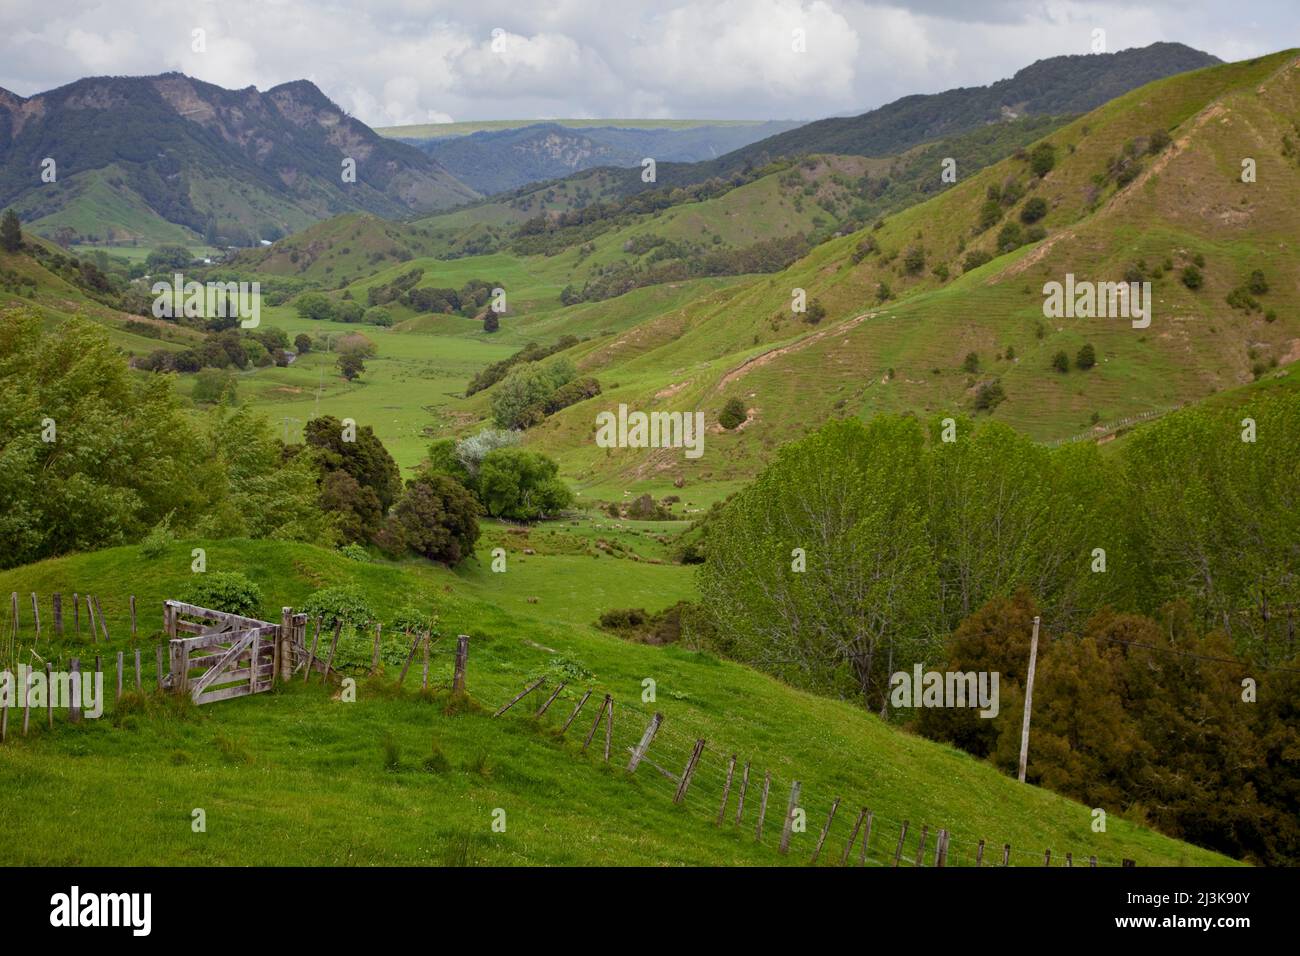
<point x="789" y="816"/>
<point x="685" y="782"/>
<point x="1006" y="854"/>
<point x="90" y="619"/>
<point x="119" y="677"/>
<point x="848" y="847"/>
<point x="609" y="727"/>
<point x="726" y="791"/>
<point x="573" y="716"/>
<point x="284" y="647"/>
<point x="762" y="805"/>
<point x="311" y="655"/>
<point x="902" y="835"/>
<point x="825" y="830"/>
<point x="49" y="695"/>
<point x="76" y="612"/>
<point x="57" y="600"/>
<point x="158" y="673"/>
<point x="941" y="848"/>
<point x="103" y="622"/>
<point x="4" y="721"/>
<point x="74" y="708"/>
<point x="415" y="645"/>
<point x="528" y="690"/>
<point x="36" y="616"/>
<point x="651" y="729"/>
<point x="1128" y="863"/>
<point x="1092" y="861"/>
<point x="866" y="838"/>
<point x="27" y="699"/>
<point x="139" y="684"/>
<point x="744" y="786"/>
<point x="550" y="700"/>
<point x="1047" y="858"/>
<point x="979" y="854"/>
<point x="329" y="662"/>
<point x="462" y="654"/>
<point x="1069" y="859"/>
<point x="596" y="726"/>
<point x="374" y="657"/>
<point x="920" y="850"/>
<point x="133" y="615"/>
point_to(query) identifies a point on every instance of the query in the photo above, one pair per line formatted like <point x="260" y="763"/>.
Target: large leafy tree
<point x="90" y="455"/>
<point x="521" y="485"/>
<point x="439" y="518"/>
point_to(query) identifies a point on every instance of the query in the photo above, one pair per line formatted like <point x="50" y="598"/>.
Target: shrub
<point x="377" y="315"/>
<point x="971" y="363"/>
<point x="302" y="342"/>
<point x="989" y="396"/>
<point x="1192" y="277"/>
<point x="354" y="552"/>
<point x="215" y="385"/>
<point x="914" y="260"/>
<point x="159" y="536"/>
<point x="521" y="485"/>
<point x="1042" y="159"/>
<point x="732" y="414"/>
<point x="974" y="259"/>
<point x="1033" y="210"/>
<point x="1086" y="358"/>
<point x="316" y="306"/>
<point x="1061" y="362"/>
<point x="440" y="518"/>
<point x="227" y="591"/>
<point x="1257" y="284"/>
<point x="343" y="605"/>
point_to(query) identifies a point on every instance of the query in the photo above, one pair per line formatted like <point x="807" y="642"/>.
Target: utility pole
<point x="1029" y="701"/>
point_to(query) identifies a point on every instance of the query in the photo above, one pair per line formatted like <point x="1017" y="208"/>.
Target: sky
<point x="395" y="62"/>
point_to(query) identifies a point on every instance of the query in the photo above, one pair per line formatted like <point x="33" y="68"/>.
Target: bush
<point x="974" y="259"/>
<point x="989" y="396"/>
<point x="302" y="342"/>
<point x="316" y="306"/>
<point x="1086" y="358"/>
<point x="215" y="385"/>
<point x="354" y="552"/>
<point x="971" y="363"/>
<point x="1042" y="159"/>
<point x="439" y="516"/>
<point x="1192" y="277"/>
<point x="521" y="485"/>
<point x="732" y="414"/>
<point x="1257" y="284"/>
<point x="1033" y="210"/>
<point x="343" y="605"/>
<point x="227" y="591"/>
<point x="1061" y="362"/>
<point x="377" y="315"/>
<point x="159" y="536"/>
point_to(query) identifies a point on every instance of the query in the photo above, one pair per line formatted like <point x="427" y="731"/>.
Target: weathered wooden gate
<point x="229" y="655"/>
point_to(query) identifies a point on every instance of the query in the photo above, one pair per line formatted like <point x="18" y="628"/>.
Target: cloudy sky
<point x="406" y="61"/>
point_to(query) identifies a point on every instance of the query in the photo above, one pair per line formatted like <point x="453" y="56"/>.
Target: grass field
<point x="281" y="775"/>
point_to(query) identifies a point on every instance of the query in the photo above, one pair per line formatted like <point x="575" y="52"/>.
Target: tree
<point x="168" y="258"/>
<point x="733" y="413"/>
<point x="439" y="516"/>
<point x="1033" y="210"/>
<point x="520" y="398"/>
<point x="521" y="485"/>
<point x="91" y="455"/>
<point x="1061" y="362"/>
<point x="11" y="232"/>
<point x="302" y="342"/>
<point x="1086" y="358"/>
<point x="490" y="321"/>
<point x="971" y="363"/>
<point x="1042" y="159"/>
<point x="850" y="496"/>
<point x="364" y="457"/>
<point x="1192" y="277"/>
<point x="351" y="365"/>
<point x="316" y="306"/>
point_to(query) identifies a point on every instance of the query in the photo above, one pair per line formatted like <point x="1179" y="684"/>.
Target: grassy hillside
<point x="1184" y="204"/>
<point x="279" y="775"/>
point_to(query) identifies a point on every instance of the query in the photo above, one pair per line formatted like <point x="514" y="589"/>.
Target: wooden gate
<point x="228" y="656"/>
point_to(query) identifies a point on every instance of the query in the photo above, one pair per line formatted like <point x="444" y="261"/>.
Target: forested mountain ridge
<point x="138" y="157"/>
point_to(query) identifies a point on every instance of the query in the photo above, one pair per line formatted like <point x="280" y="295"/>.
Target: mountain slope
<point x="1119" y="205"/>
<point x="494" y="161"/>
<point x="230" y="165"/>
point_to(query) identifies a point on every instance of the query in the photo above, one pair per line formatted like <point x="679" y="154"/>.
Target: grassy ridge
<point x="282" y="775"/>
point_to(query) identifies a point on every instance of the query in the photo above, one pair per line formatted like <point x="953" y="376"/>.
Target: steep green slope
<point x="282" y="775"/>
<point x="1178" y="204"/>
